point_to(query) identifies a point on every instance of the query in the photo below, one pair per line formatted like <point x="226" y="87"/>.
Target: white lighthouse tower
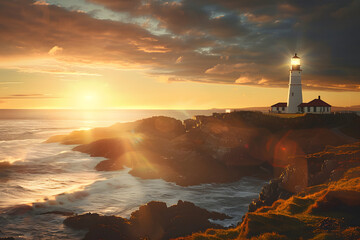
<point x="295" y="91"/>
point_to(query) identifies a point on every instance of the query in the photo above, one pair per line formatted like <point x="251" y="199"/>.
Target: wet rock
<point x="269" y="194"/>
<point x="109" y="148"/>
<point x="154" y="220"/>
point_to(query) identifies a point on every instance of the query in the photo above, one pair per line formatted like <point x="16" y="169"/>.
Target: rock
<point x="154" y="220"/>
<point x="108" y="148"/>
<point x="161" y="126"/>
<point x="269" y="194"/>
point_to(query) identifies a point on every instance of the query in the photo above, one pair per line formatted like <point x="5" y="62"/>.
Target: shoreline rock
<point x="153" y="221"/>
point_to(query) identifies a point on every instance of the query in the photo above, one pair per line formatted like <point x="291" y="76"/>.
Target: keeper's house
<point x="315" y="106"/>
<point x="280" y="107"/>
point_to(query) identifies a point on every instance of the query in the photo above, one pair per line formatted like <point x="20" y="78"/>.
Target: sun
<point x="88" y="100"/>
<point x="89" y="97"/>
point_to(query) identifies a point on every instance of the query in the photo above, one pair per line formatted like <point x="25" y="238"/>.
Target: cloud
<point x="228" y="42"/>
<point x="41" y="2"/>
<point x="123" y="5"/>
<point x="55" y="50"/>
<point x="179" y="59"/>
<point x="263" y="81"/>
<point x="57" y="71"/>
<point x="242" y="80"/>
<point x="185" y="17"/>
<point x="230" y="68"/>
<point x="259" y="18"/>
<point x="28" y="96"/>
<point x="48" y="66"/>
<point x="9" y="82"/>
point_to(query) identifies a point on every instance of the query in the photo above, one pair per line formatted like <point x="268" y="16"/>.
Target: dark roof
<point x="317" y="102"/>
<point x="280" y="104"/>
<point x="296" y="56"/>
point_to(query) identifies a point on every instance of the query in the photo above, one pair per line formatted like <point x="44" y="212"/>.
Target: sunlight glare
<point x="88" y="100"/>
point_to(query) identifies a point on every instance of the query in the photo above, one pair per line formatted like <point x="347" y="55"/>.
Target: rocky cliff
<point x="315" y="195"/>
<point x="218" y="148"/>
<point x="321" y="201"/>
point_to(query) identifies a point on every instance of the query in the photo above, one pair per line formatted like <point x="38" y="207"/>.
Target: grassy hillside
<point x="329" y="210"/>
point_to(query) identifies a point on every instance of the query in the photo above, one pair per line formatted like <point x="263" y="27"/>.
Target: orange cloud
<point x="229" y="68"/>
<point x="55" y="50"/>
<point x="28" y="96"/>
<point x="41" y="2"/>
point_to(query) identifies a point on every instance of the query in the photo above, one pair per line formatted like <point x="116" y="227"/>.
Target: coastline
<point x="219" y="128"/>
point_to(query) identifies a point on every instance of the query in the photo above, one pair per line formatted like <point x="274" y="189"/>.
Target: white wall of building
<point x="279" y="109"/>
<point x="316" y="110"/>
<point x="295" y="92"/>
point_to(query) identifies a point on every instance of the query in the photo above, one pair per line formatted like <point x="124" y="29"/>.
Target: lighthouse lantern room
<point x="295" y="89"/>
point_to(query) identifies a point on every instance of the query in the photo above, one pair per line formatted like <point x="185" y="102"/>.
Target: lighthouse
<point x="294" y="102"/>
<point x="295" y="91"/>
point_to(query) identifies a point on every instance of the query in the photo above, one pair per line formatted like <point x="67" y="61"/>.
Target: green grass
<point x="286" y="115"/>
<point x="299" y="205"/>
<point x="292" y="227"/>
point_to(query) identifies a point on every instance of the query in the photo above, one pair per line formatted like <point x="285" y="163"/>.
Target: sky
<point x="180" y="54"/>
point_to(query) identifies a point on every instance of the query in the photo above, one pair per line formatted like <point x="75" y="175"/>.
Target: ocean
<point x="37" y="177"/>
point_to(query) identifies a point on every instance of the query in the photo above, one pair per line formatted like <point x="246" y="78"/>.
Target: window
<point x="314" y="109"/>
<point x="308" y="109"/>
<point x="292" y="94"/>
<point x="283" y="108"/>
<point x="277" y="108"/>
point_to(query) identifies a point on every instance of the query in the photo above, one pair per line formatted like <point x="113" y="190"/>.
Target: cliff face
<point x="319" y="202"/>
<point x="218" y="148"/>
